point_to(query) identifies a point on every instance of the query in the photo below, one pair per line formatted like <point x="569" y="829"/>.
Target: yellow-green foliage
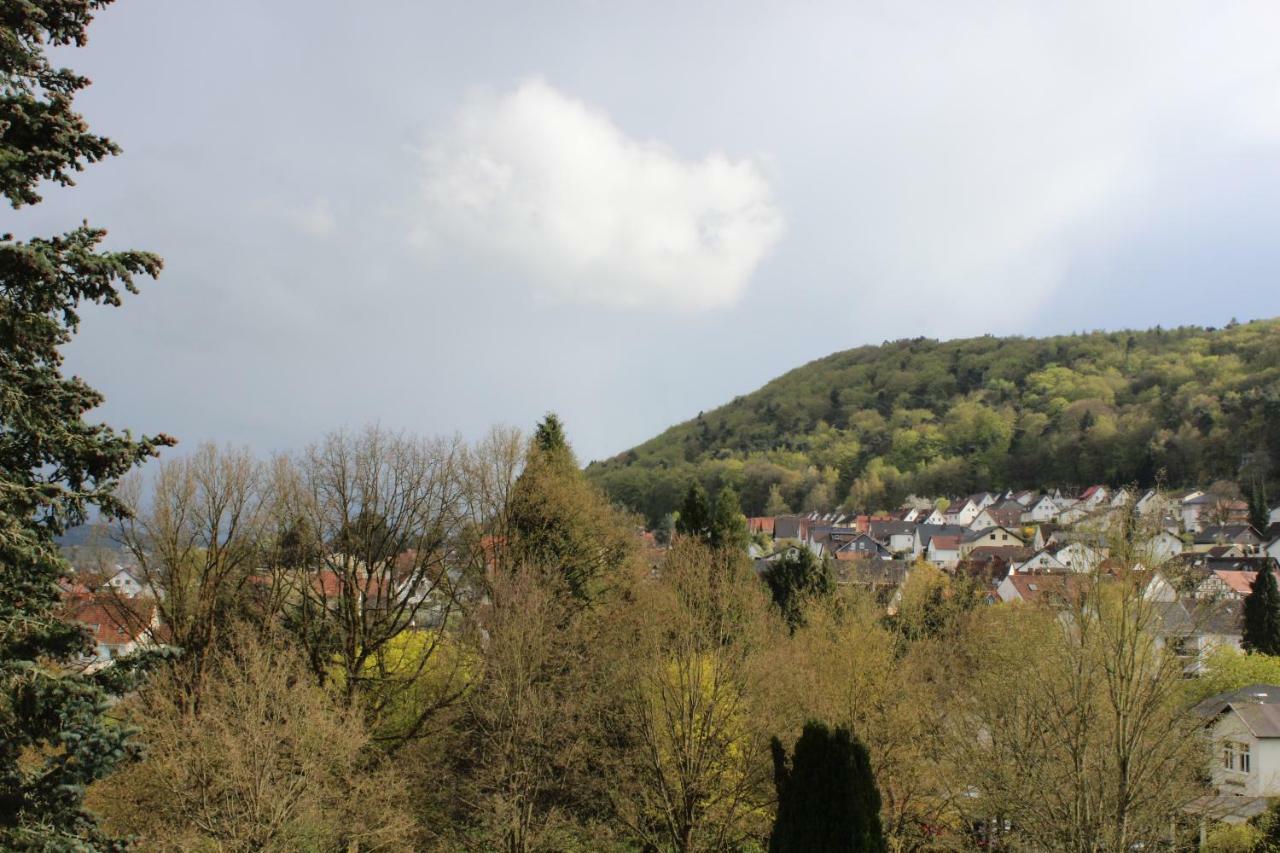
<point x="413" y="672"/>
<point x="1228" y="669"/>
<point x="1225" y="838"/>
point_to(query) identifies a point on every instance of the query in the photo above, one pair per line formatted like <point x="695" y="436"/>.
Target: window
<point x="1235" y="756"/>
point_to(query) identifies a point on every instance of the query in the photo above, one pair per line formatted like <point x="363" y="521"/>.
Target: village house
<point x="1205" y="509"/>
<point x="1229" y="585"/>
<point x="994" y="537"/>
<point x="861" y="547"/>
<point x="1080" y="557"/>
<point x="1243" y="727"/>
<point x="1003" y="514"/>
<point x="124" y="583"/>
<point x="1035" y="589"/>
<point x="1044" y="509"/>
<point x="943" y="551"/>
<point x="1228" y="534"/>
<point x="117" y="625"/>
<point x="1192" y="628"/>
<point x="935" y="518"/>
<point x="1040" y="562"/>
<point x="897" y="536"/>
<point x="1161" y="547"/>
<point x="1093" y="497"/>
<point x="963" y="513"/>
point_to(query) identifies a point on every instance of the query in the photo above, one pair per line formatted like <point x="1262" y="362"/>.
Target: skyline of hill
<point x="864" y="427"/>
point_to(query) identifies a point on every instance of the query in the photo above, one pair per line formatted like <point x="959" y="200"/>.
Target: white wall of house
<point x="942" y="556"/>
<point x="1007" y="591"/>
<point x="1262" y="778"/>
<point x="901" y="543"/>
<point x="1159" y="589"/>
<point x="964" y="515"/>
<point x="125" y="584"/>
<point x="1163" y="546"/>
<point x="1043" y="510"/>
<point x="1041" y="562"/>
<point x="1079" y="557"/>
<point x="982" y="521"/>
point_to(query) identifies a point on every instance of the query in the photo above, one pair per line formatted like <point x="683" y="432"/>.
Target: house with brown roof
<point x="1036" y="589"/>
<point x="943" y="551"/>
<point x="118" y="625"/>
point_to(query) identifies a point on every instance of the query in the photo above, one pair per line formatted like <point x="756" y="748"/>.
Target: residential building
<point x="1243" y="727"/>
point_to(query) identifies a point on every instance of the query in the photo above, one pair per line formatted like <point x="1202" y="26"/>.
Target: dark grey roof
<point x="1204" y="564"/>
<point x="1239" y="534"/>
<point x="1255" y="694"/>
<point x="1262" y="720"/>
<point x="883" y="529"/>
<point x="1189" y="616"/>
<point x="926" y="532"/>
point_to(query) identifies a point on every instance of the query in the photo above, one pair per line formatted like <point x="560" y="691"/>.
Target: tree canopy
<point x="863" y="428"/>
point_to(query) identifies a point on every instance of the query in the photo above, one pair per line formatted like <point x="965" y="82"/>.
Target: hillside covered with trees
<point x="861" y="429"/>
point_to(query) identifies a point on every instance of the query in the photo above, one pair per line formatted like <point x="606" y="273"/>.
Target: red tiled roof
<point x="1240" y="583"/>
<point x="113" y="621"/>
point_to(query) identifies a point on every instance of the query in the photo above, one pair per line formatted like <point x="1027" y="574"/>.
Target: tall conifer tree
<point x="828" y="801"/>
<point x="557" y="519"/>
<point x="54" y="466"/>
<point x="728" y="528"/>
<point x="695" y="513"/>
<point x="1262" y="616"/>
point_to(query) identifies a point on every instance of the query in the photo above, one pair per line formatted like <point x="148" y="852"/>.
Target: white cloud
<point x="562" y="197"/>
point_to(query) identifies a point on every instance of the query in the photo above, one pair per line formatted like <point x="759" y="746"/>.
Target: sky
<point x="440" y="217"/>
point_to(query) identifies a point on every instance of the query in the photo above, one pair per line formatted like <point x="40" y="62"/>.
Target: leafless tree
<point x="384" y="513"/>
<point x="269" y="762"/>
<point x="195" y="538"/>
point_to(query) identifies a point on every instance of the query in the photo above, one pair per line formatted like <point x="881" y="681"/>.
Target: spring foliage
<point x="865" y="427"/>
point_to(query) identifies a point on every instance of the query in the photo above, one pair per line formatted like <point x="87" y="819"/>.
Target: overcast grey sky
<point x="442" y="216"/>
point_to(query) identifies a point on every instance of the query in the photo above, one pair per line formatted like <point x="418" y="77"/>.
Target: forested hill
<point x="862" y="428"/>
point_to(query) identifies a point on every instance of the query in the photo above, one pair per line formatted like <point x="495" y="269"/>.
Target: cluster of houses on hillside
<point x="1200" y="549"/>
<point x="1029" y="532"/>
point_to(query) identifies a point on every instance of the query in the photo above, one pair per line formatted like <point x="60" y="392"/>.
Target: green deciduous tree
<point x="827" y="796"/>
<point x="1262" y="616"/>
<point x="54" y="465"/>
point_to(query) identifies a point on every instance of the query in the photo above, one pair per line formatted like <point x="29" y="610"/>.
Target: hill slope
<point x="864" y="427"/>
